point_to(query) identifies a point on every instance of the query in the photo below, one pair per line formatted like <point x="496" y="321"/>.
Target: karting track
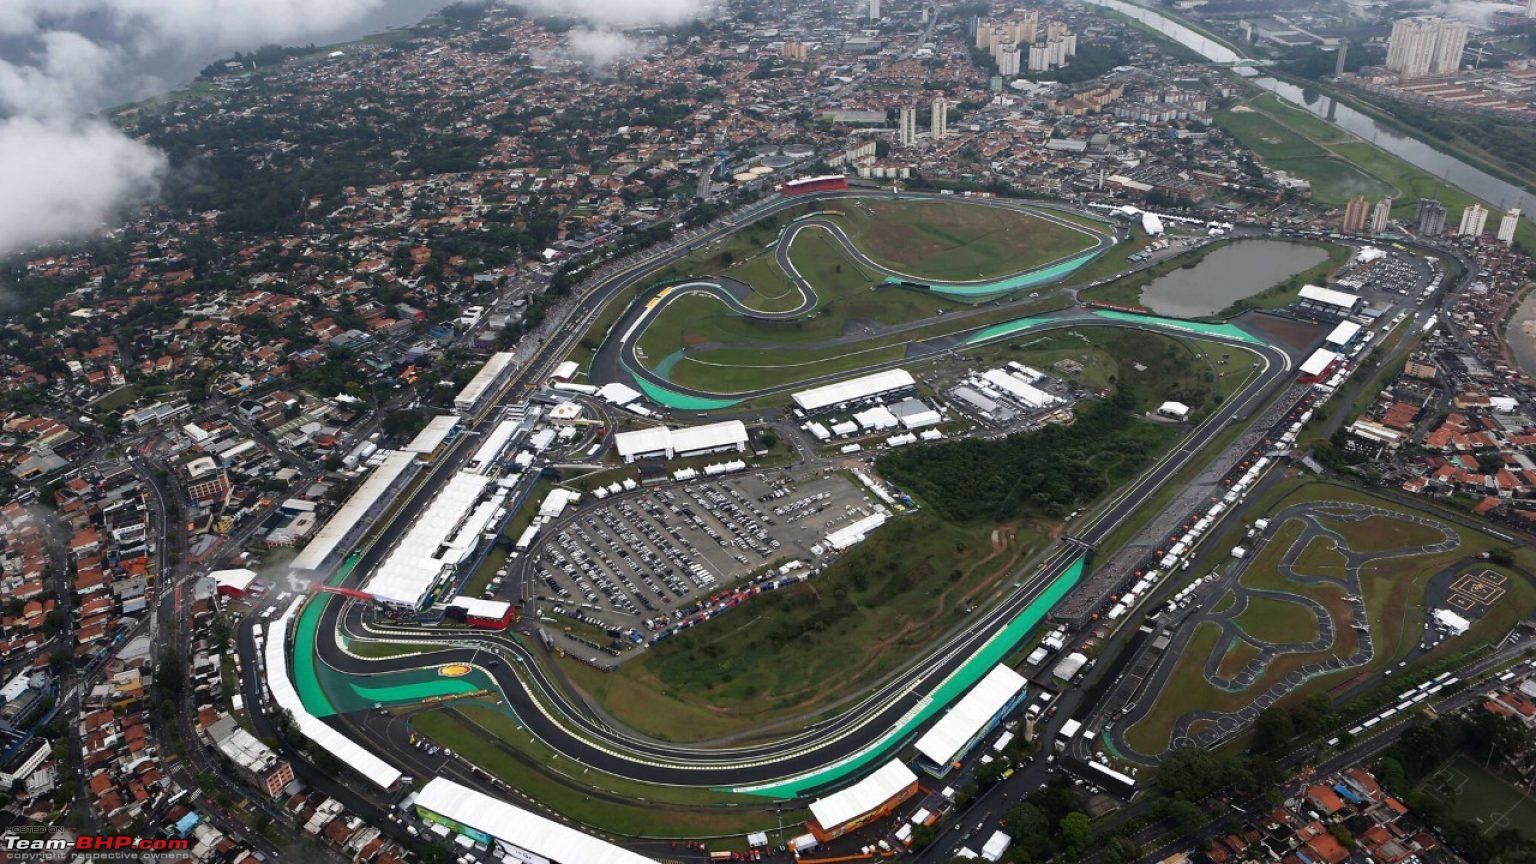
<point x="831" y="752"/>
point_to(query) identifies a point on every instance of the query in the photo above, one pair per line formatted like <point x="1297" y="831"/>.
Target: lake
<point x="1233" y="271"/>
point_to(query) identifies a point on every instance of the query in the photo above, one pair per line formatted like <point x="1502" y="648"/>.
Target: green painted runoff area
<point x="1009" y="328"/>
<point x="950" y="690"/>
<point x="672" y="399"/>
<point x="1225" y="331"/>
<point x="1012" y="283"/>
<point x="326" y="692"/>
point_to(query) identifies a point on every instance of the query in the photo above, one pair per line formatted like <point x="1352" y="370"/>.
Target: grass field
<point x="1322" y="558"/>
<point x="1152" y="733"/>
<point x="1111" y="262"/>
<point x="1239" y="654"/>
<point x="1294" y="141"/>
<point x="952" y="240"/>
<point x="726" y="353"/>
<point x="790" y="653"/>
<point x="1393" y="591"/>
<point x="1476" y="793"/>
<point x="1272" y="620"/>
<point x="483" y="734"/>
<point x="948" y="239"/>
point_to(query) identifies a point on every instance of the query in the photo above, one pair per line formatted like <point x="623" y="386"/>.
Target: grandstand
<point x="870" y="799"/>
<point x="286" y="697"/>
<point x="354" y="515"/>
<point x="485" y="383"/>
<point x="429" y="442"/>
<point x="521" y="835"/>
<point x="970" y="720"/>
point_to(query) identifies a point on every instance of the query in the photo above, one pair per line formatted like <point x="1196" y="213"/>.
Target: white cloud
<point x="602" y="47"/>
<point x="205" y="24"/>
<point x="64" y="178"/>
<point x="608" y="14"/>
<point x="63" y="173"/>
<point x="68" y="74"/>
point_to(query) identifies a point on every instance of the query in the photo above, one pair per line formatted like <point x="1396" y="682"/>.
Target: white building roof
<point x="1173" y="409"/>
<point x="1319" y="362"/>
<point x="864" y="796"/>
<point x="566" y="370"/>
<point x="848" y="535"/>
<point x="682" y="441"/>
<point x="492" y="445"/>
<point x="521" y="828"/>
<point x="995" y="846"/>
<point x="1021" y="390"/>
<point x="362" y="500"/>
<point x="346" y="751"/>
<point x="1451" y="621"/>
<point x="1341" y="334"/>
<point x="618" y="394"/>
<point x="428" y="546"/>
<point x="878" y="417"/>
<point x="1070" y="665"/>
<point x="714" y="436"/>
<point x="970" y="715"/>
<point x="481" y="608"/>
<point x="484" y="380"/>
<point x="239" y="579"/>
<point x="643" y="442"/>
<point x="828" y="395"/>
<point x="433" y="434"/>
<point x="1329" y="296"/>
<point x="555" y="502"/>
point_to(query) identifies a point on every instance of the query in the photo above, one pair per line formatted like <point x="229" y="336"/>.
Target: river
<point x="1231" y="272"/>
<point x="1501" y="194"/>
<point x="1521" y="334"/>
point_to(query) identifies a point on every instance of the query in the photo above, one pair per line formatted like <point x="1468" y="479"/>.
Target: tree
<point x="1075" y="831"/>
<point x="1185" y="817"/>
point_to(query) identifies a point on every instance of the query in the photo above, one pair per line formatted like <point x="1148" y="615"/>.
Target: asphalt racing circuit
<point x="834" y="751"/>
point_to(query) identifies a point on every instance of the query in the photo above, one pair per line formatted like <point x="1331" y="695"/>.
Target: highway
<point x="560" y="721"/>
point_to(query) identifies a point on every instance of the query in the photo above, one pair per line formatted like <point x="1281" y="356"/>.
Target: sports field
<point x="1478" y="794"/>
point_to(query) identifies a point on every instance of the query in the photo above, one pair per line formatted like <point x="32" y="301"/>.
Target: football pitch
<point x="1476" y="793"/>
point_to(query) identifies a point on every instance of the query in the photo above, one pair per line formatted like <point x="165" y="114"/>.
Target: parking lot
<point x="636" y="564"/>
